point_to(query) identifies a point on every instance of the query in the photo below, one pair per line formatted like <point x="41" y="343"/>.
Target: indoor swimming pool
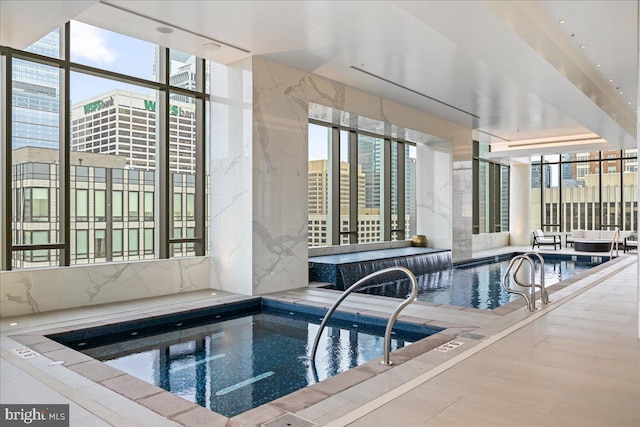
<point x="241" y="358"/>
<point x="478" y="285"/>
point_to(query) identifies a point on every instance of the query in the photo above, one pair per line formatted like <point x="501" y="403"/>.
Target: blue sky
<point x="110" y="51"/>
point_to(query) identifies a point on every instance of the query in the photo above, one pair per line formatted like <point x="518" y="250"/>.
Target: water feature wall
<point x="419" y="264"/>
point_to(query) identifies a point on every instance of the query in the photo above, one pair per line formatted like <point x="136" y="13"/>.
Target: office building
<point x="124" y="124"/>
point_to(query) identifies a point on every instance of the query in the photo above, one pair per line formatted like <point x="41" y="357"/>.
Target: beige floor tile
<point x="583" y="410"/>
<point x="471" y="411"/>
<point x="597" y="315"/>
<point x="615" y="369"/>
<point x="558" y="319"/>
<point x="423" y="403"/>
<point x="603" y="326"/>
<point x="334" y="405"/>
<point x="627" y="340"/>
<point x="90" y="421"/>
<point x="390" y="416"/>
<point x="590" y="348"/>
<point x="579" y="332"/>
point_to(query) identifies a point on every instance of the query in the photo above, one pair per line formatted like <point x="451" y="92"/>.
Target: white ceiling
<point x="505" y="68"/>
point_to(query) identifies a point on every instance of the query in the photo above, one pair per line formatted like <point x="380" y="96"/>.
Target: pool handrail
<point x="517" y="259"/>
<point x="531" y="299"/>
<point x="392" y="319"/>
<point x="544" y="295"/>
<point x="615" y="242"/>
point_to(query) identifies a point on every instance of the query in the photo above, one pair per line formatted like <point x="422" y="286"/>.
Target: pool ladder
<point x="515" y="263"/>
<point x="392" y="319"/>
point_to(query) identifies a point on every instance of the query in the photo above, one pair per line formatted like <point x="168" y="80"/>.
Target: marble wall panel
<point x="485" y="241"/>
<point x="45" y="289"/>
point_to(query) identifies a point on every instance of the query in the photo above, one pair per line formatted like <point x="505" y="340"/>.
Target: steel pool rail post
<point x="517" y="262"/>
<point x="544" y="295"/>
<point x="392" y="319"/>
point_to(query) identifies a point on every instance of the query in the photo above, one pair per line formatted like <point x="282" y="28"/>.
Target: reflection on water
<point x="239" y="364"/>
<point x="477" y="286"/>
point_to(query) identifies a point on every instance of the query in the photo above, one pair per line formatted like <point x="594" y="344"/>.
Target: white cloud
<point x="90" y="45"/>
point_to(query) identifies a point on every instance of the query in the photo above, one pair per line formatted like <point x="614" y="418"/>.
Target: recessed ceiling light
<point x="598" y="65"/>
<point x="13" y="324"/>
<point x="610" y="80"/>
<point x="164" y="30"/>
<point x="211" y="46"/>
<point x="621" y="92"/>
<point x="629" y="102"/>
<point x="582" y="46"/>
<point x="562" y="21"/>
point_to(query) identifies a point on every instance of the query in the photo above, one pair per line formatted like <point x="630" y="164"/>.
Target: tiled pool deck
<point x="573" y="362"/>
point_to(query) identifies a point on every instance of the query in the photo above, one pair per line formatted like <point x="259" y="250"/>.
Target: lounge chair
<point x="630" y="243"/>
<point x="540" y="239"/>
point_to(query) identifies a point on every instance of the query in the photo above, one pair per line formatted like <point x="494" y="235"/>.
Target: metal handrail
<point x="544" y="295"/>
<point x="392" y="319"/>
<point x="531" y="299"/>
<point x="513" y="261"/>
<point x="615" y="242"/>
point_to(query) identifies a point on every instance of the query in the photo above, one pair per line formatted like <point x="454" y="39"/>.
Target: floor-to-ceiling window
<point x="411" y="207"/>
<point x="319" y="144"/>
<point x="490" y="193"/>
<point x="586" y="191"/>
<point x="361" y="185"/>
<point x="105" y="150"/>
<point x="551" y="194"/>
<point x="370" y="163"/>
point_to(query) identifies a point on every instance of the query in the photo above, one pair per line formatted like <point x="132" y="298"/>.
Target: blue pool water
<point x="477" y="286"/>
<point x="247" y="360"/>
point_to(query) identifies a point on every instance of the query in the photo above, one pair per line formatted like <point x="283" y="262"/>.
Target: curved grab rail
<point x="531" y="299"/>
<point x="544" y="295"/>
<point x="392" y="319"/>
<point x="523" y="258"/>
<point x="615" y="241"/>
<point x="513" y="261"/>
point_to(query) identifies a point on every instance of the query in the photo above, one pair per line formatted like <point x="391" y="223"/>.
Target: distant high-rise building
<point x="123" y="123"/>
<point x="369" y="158"/>
<point x="36" y="98"/>
<point x="182" y="73"/>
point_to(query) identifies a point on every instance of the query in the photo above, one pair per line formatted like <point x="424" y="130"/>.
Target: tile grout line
<point x="90" y="405"/>
<point x="378" y="402"/>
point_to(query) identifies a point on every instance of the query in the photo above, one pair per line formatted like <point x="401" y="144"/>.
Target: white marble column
<point x="259" y="168"/>
<point x="231" y="204"/>
<point x="462" y="213"/>
<point x="433" y="194"/>
<point x="520" y="204"/>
